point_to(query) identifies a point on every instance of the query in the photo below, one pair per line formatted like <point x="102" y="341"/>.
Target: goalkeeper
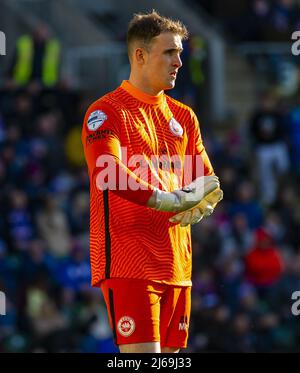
<point x="141" y="210"/>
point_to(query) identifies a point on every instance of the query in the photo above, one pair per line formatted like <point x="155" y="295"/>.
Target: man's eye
<point x="171" y="52"/>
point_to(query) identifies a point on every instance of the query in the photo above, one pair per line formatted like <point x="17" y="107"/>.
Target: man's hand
<point x="204" y="208"/>
<point x="185" y="198"/>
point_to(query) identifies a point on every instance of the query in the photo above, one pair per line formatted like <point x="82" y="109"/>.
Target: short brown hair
<point x="145" y="26"/>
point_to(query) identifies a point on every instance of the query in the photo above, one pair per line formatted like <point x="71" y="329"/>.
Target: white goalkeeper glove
<point x="204" y="208"/>
<point x="185" y="198"/>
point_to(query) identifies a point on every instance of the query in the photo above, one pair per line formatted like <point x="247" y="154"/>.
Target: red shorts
<point x="145" y="311"/>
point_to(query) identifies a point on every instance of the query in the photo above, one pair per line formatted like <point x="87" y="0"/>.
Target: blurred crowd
<point x="246" y="256"/>
<point x="256" y="20"/>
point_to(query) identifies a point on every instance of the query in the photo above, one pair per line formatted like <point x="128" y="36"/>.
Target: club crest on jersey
<point x="175" y="127"/>
<point x="126" y="326"/>
<point x="96" y="119"/>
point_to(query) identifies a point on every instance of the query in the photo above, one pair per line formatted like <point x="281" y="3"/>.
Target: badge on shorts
<point x="96" y="119"/>
<point x="175" y="127"/>
<point x="126" y="326"/>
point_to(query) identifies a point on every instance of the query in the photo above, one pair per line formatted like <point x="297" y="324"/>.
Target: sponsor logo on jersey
<point x="126" y="326"/>
<point x="98" y="135"/>
<point x="183" y="323"/>
<point x="175" y="127"/>
<point x="96" y="119"/>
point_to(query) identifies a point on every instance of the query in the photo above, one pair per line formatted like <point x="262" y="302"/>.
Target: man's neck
<point x="143" y="86"/>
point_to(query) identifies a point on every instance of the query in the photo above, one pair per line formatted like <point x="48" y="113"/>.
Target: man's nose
<point x="177" y="62"/>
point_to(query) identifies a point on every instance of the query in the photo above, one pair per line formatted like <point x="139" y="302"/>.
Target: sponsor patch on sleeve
<point x="98" y="135"/>
<point x="96" y="119"/>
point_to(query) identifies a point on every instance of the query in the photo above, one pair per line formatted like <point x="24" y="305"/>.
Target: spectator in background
<point x="95" y="324"/>
<point x="48" y="326"/>
<point x="79" y="217"/>
<point x="19" y="221"/>
<point x="263" y="263"/>
<point x="36" y="59"/>
<point x="268" y="136"/>
<point x="36" y="261"/>
<point x="209" y="239"/>
<point x="229" y="178"/>
<point x="241" y="337"/>
<point x="48" y="132"/>
<point x="237" y="237"/>
<point x="288" y="207"/>
<point x="74" y="272"/>
<point x="246" y="204"/>
<point x="274" y="225"/>
<point x="54" y="228"/>
<point x="20" y="112"/>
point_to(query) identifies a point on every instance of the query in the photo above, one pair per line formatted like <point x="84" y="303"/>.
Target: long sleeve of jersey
<point x="201" y="164"/>
<point x="105" y="159"/>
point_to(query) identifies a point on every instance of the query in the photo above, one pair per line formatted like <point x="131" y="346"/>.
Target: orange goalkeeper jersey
<point x="133" y="143"/>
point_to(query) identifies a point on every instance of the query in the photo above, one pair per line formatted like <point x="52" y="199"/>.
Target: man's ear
<point x="140" y="55"/>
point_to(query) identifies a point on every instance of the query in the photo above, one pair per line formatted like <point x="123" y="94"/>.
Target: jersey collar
<point x="140" y="95"/>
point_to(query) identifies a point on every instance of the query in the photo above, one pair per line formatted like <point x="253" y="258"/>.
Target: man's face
<point x="162" y="62"/>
